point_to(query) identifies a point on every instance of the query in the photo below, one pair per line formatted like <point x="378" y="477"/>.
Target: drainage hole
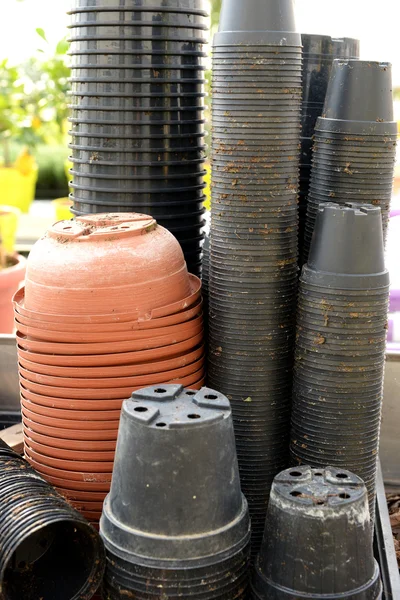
<point x="318" y="474"/>
<point x="319" y="502"/>
<point x="160" y="391"/>
<point x="161" y="424"/>
<point x="194" y="417"/>
<point x="141" y="409"/>
<point x="211" y="397"/>
<point x="342" y="476"/>
<point x="296" y="494"/>
<point x="189" y="393"/>
<point x="344" y="496"/>
<point x="296" y="473"/>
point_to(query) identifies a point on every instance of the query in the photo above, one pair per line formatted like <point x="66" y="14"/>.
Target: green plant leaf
<point x="41" y="33"/>
<point x="62" y="47"/>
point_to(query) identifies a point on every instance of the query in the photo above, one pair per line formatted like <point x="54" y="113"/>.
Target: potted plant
<point x="12" y="267"/>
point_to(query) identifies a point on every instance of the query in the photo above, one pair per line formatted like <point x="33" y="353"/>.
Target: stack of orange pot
<point x="108" y="307"/>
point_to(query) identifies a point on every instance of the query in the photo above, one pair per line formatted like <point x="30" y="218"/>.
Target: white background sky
<point x="376" y="23"/>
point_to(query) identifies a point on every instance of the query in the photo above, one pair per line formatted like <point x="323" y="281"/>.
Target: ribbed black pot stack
<point x="340" y="345"/>
<point x="137" y="112"/>
<point x="175" y="524"/>
<point x="318" y="539"/>
<point x="355" y="141"/>
<point x="48" y="550"/>
<point x="253" y="262"/>
<point x="319" y="51"/>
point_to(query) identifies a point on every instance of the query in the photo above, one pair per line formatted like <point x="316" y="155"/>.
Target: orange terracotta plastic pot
<point x="80" y="495"/>
<point x="164" y="312"/>
<point x="71" y="404"/>
<point x="102" y="264"/>
<point x="11" y="279"/>
<point x="122" y="371"/>
<point x="111" y="382"/>
<point x="79" y="445"/>
<point x="107" y="360"/>
<point x="103" y="393"/>
<point x="103" y="479"/>
<point x="69" y="465"/>
<point x="87" y="506"/>
<point x="74" y="455"/>
<point x="30" y="421"/>
<point x="46" y="390"/>
<point x="71" y="415"/>
<point x="146" y="327"/>
<point x="148" y="343"/>
<point x="188" y="328"/>
<point x="96" y="426"/>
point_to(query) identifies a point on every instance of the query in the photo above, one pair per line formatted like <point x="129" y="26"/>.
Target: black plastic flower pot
<point x="305" y="503"/>
<point x="185" y="542"/>
<point x="49" y="550"/>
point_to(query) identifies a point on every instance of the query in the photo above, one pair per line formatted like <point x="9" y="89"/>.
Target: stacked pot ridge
<point x="175" y="524"/>
<point x="137" y="112"/>
<point x="108" y="307"/>
<point x="340" y="345"/>
<point x="257" y="82"/>
<point x="355" y="142"/>
<point x="319" y="52"/>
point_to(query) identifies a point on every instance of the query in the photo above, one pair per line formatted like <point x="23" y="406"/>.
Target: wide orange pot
<point x="101" y="264"/>
<point x="118" y="371"/>
<point x="11" y="278"/>
<point x="118" y="358"/>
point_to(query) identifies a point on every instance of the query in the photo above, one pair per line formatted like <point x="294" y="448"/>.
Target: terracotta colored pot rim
<point x="115" y="359"/>
<point x="70" y="425"/>
<point x="68" y="434"/>
<point x="60" y="443"/>
<point x="110" y="382"/>
<point x="61" y="337"/>
<point x="102" y="478"/>
<point x="126" y="326"/>
<point x="80" y="466"/>
<point x="147" y="368"/>
<point x="71" y="415"/>
<point x="176" y="307"/>
<point x="63" y="349"/>
<point x="73" y="455"/>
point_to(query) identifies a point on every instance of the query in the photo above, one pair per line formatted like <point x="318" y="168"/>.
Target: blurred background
<point x="34" y="72"/>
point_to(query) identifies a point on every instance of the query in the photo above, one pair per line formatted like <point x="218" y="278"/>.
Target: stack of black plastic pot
<point x="355" y="141"/>
<point x="48" y="550"/>
<point x="318" y="539"/>
<point x="137" y="112"/>
<point x="175" y="524"/>
<point x="253" y="238"/>
<point x="319" y="51"/>
<point x="340" y="345"/>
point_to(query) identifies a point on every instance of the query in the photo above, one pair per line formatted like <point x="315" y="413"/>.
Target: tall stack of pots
<point x="319" y="51"/>
<point x="137" y="112"/>
<point x="108" y="307"/>
<point x="355" y="141"/>
<point x="175" y="524"/>
<point x="340" y="345"/>
<point x="257" y="84"/>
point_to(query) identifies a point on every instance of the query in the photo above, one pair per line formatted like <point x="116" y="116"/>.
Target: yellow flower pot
<point x="9" y="217"/>
<point x="17" y="189"/>
<point x="62" y="208"/>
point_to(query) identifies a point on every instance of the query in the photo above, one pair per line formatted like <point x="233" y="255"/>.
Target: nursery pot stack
<point x="175" y="524"/>
<point x="108" y="307"/>
<point x="355" y="142"/>
<point x="319" y="52"/>
<point x="340" y="345"/>
<point x="137" y="117"/>
<point x="257" y="82"/>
